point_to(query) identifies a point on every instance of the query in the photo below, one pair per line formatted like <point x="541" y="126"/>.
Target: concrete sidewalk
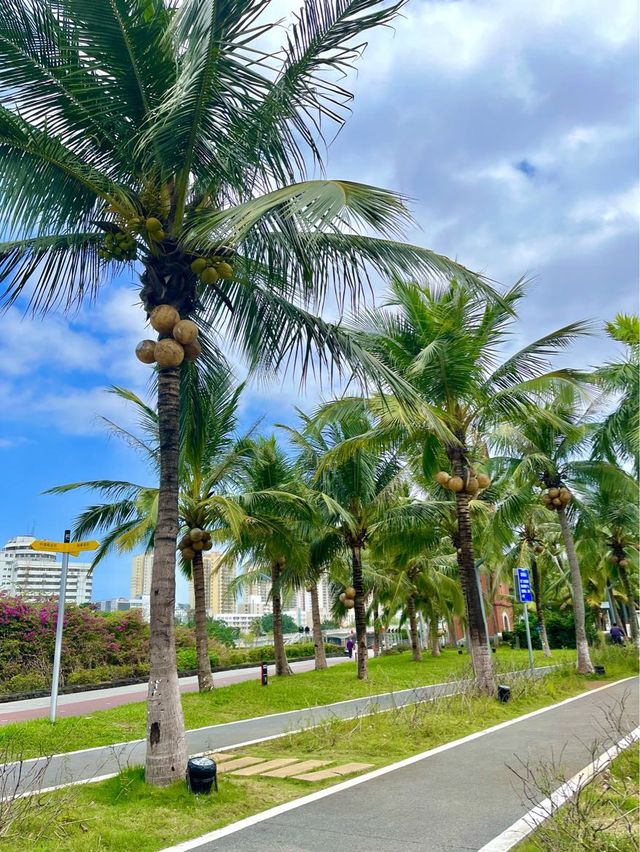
<point x="457" y="797"/>
<point x="104" y="761"/>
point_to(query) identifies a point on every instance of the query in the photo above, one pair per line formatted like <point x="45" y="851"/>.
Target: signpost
<point x="65" y="547"/>
<point x="524" y="594"/>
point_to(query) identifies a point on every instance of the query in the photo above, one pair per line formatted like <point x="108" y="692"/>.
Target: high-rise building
<point x="33" y="574"/>
<point x="141" y="567"/>
<point x="217" y="582"/>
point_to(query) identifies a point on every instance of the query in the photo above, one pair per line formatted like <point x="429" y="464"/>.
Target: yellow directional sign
<point x="72" y="547"/>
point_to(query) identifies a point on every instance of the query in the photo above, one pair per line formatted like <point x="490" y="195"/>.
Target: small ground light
<point x="202" y="774"/>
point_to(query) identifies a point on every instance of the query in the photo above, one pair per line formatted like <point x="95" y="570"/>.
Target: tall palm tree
<point x="445" y="344"/>
<point x="169" y="135"/>
<point x="211" y="454"/>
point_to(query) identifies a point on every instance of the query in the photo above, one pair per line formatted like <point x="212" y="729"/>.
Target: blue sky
<point x="511" y="125"/>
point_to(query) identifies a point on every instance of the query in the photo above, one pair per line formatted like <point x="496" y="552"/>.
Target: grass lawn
<point x="244" y="700"/>
<point x="123" y="813"/>
<point x="605" y="818"/>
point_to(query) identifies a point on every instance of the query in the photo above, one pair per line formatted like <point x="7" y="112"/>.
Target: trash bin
<point x="504" y="693"/>
<point x="599" y="670"/>
<point x="202" y="774"/>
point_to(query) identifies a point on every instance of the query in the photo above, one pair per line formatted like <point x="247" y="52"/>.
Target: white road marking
<point x="523" y="827"/>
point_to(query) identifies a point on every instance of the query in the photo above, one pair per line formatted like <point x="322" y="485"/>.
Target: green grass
<point x="244" y="700"/>
<point x="605" y="819"/>
<point x="123" y="813"/>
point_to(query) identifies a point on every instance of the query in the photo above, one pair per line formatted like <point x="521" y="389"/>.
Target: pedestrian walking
<point x="617" y="636"/>
<point x="349" y="646"/>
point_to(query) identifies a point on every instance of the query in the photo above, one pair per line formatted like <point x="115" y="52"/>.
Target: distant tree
<point x="222" y="632"/>
<point x="288" y="624"/>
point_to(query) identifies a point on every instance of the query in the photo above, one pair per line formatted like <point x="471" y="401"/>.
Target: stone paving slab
<point x="321" y="775"/>
<point x="240" y="763"/>
<point x="348" y="768"/>
<point x="288" y="771"/>
<point x="259" y="768"/>
<point x="334" y="772"/>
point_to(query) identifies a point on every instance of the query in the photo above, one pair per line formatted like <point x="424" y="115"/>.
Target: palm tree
<point x="168" y="134"/>
<point x="210" y="457"/>
<point x="445" y="345"/>
<point x="355" y="493"/>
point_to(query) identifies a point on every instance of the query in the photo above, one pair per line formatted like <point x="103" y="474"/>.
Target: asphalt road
<point x="454" y="800"/>
<point x="82" y="703"/>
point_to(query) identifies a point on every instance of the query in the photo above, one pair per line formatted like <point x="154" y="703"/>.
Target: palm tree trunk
<point x="376" y="631"/>
<point x="616" y="617"/>
<point x="434" y="639"/>
<point x="205" y="678"/>
<point x="282" y="665"/>
<point x="316" y="626"/>
<point x="413" y="629"/>
<point x="631" y="603"/>
<point x="166" y="757"/>
<point x="535" y="579"/>
<point x="582" y="647"/>
<point x="478" y="639"/>
<point x="360" y="612"/>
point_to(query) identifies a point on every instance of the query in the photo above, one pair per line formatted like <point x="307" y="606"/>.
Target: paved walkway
<point x="108" y="760"/>
<point x="81" y="703"/>
<point x="451" y="799"/>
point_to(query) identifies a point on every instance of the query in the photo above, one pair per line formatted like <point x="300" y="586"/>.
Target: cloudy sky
<point x="513" y="126"/>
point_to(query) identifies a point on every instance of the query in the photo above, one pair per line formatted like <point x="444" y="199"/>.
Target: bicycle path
<point x="104" y="761"/>
<point x="460" y="796"/>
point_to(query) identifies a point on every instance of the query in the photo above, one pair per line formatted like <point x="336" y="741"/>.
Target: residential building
<point x="141" y="567"/>
<point x="241" y="620"/>
<point x="114" y="605"/>
<point x="33" y="574"/>
<point x="219" y="599"/>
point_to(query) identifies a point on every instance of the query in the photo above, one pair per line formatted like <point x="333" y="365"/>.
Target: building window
<point x="505" y="622"/>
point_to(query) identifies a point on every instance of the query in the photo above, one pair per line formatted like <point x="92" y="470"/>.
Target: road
<point x="104" y="761"/>
<point x="82" y="703"/>
<point x="448" y="800"/>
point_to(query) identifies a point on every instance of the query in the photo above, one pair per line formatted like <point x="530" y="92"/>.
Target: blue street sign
<point x="523" y="586"/>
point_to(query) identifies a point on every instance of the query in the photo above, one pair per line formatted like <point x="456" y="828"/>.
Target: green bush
<point x="23" y="683"/>
<point x="187" y="659"/>
<point x="560" y="629"/>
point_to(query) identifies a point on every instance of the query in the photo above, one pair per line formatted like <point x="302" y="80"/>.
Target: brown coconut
<point x="554" y="492"/>
<point x="185" y="541"/>
<point x="145" y="351"/>
<point x="455" y="484"/>
<point x="207" y="544"/>
<point x="192" y="350"/>
<point x="484" y="481"/>
<point x="443" y="477"/>
<point x="197" y="545"/>
<point x="473" y="486"/>
<point x="623" y="563"/>
<point x="349" y="603"/>
<point x="546" y="499"/>
<point x="350" y="592"/>
<point x="342" y="598"/>
<point x="188" y="553"/>
<point x="196" y="534"/>
<point x="539" y="548"/>
<point x="185" y="331"/>
<point x="168" y="353"/>
<point x="163" y="318"/>
<point x="613" y="559"/>
<point x="557" y="502"/>
<point x="565" y="495"/>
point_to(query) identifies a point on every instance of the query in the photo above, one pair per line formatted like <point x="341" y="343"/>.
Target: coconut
<point x="153" y="225"/>
<point x="209" y="275"/>
<point x="199" y="265"/>
<point x="192" y="350"/>
<point x="613" y="559"/>
<point x="145" y="351"/>
<point x="349" y="603"/>
<point x="483" y="480"/>
<point x="455" y="484"/>
<point x="623" y="563"/>
<point x="473" y="486"/>
<point x="168" y="353"/>
<point x="197" y="545"/>
<point x="185" y="331"/>
<point x="539" y="548"/>
<point x="188" y="553"/>
<point x="342" y="598"/>
<point x="554" y="492"/>
<point x="565" y="495"/>
<point x="225" y="270"/>
<point x="443" y="477"/>
<point x="196" y="534"/>
<point x="557" y="502"/>
<point x="185" y="541"/>
<point x="163" y="318"/>
<point x="157" y="236"/>
<point x="207" y="544"/>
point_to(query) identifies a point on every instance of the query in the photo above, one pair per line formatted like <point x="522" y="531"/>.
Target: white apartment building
<point x="141" y="566"/>
<point x="33" y="574"/>
<point x="219" y="599"/>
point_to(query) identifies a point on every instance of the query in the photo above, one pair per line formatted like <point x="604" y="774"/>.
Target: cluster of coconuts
<point x="614" y="559"/>
<point x="470" y="484"/>
<point x="210" y="270"/>
<point x="195" y="540"/>
<point x="537" y="548"/>
<point x="118" y="245"/>
<point x="556" y="498"/>
<point x="178" y="339"/>
<point x="348" y="597"/>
